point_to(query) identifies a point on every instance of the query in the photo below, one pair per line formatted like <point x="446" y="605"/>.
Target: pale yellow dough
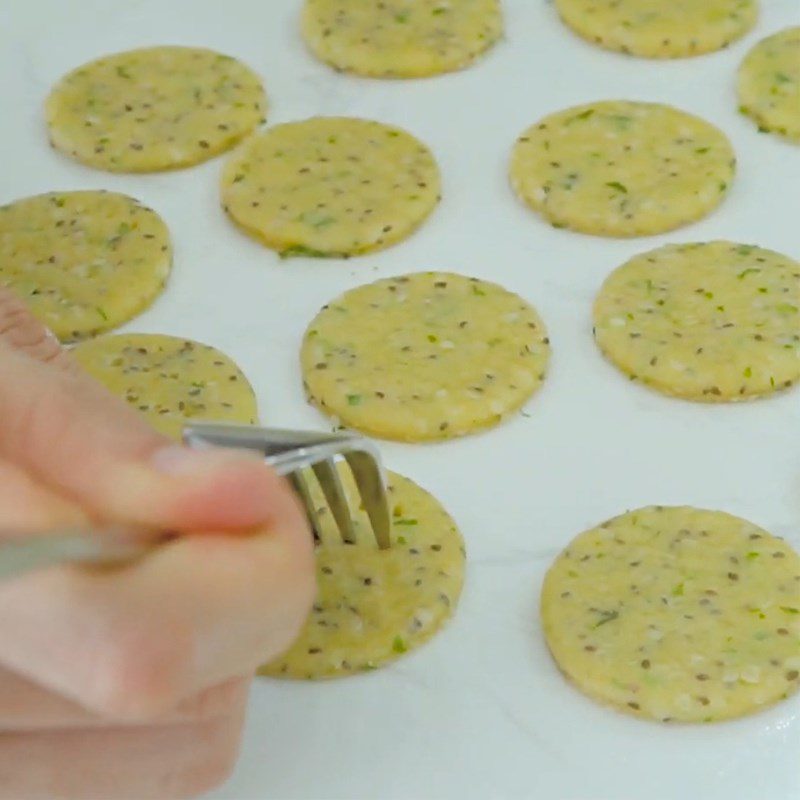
<point x="430" y="355"/>
<point x="660" y="28"/>
<point x="620" y="168"/>
<point x="83" y="262"/>
<point x="331" y="186"/>
<point x="400" y="38"/>
<point x="170" y="380"/>
<point x="676" y="614"/>
<point x="714" y="322"/>
<point x="153" y="109"/>
<point x="769" y="84"/>
<point x="374" y="605"/>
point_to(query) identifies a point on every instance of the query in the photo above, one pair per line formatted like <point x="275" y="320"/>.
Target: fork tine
<point x="291" y="453"/>
<point x="369" y="481"/>
<point x="301" y="486"/>
<point x="331" y="485"/>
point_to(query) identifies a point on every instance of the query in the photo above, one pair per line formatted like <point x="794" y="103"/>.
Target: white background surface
<point x="481" y="712"/>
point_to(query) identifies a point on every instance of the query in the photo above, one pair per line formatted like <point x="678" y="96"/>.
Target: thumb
<point x="69" y="432"/>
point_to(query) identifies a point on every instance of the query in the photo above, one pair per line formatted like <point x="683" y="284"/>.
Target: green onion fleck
<point x="354" y="399"/>
<point x="302" y="250"/>
<point x="620" y="187"/>
<point x="607" y="616"/>
<point x="583" y="115"/>
<point x="399" y="645"/>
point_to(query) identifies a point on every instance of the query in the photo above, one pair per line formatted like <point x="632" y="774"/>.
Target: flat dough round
<point x="431" y="355"/>
<point x="769" y="84"/>
<point x="715" y="322"/>
<point x="84" y="262"/>
<point x="619" y="168"/>
<point x="170" y="380"/>
<point x="659" y="28"/>
<point x="374" y="605"/>
<point x="153" y="109"/>
<point x="400" y="38"/>
<point x="331" y="186"/>
<point x="676" y="614"/>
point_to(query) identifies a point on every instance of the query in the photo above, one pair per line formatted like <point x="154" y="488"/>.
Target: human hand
<point x="131" y="682"/>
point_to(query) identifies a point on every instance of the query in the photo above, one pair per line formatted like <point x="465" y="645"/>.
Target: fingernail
<point x="177" y="460"/>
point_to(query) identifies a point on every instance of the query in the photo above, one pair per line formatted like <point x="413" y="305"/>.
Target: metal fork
<point x="290" y="453"/>
<point x="293" y="453"/>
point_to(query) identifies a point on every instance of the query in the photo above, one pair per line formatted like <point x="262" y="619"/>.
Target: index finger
<point x="135" y="641"/>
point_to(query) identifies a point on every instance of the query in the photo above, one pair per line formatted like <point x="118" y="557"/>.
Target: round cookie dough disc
<point x="660" y="28"/>
<point x="154" y="109"/>
<point x="374" y="605"/>
<point x="331" y="186"/>
<point x="769" y="83"/>
<point x="84" y="262"/>
<point x="618" y="168"/>
<point x="676" y="614"/>
<point x="170" y="380"/>
<point x="400" y="38"/>
<point x="715" y="322"/>
<point x="432" y="355"/>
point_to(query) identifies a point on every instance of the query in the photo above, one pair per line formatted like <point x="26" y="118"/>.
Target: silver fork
<point x="290" y="453"/>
